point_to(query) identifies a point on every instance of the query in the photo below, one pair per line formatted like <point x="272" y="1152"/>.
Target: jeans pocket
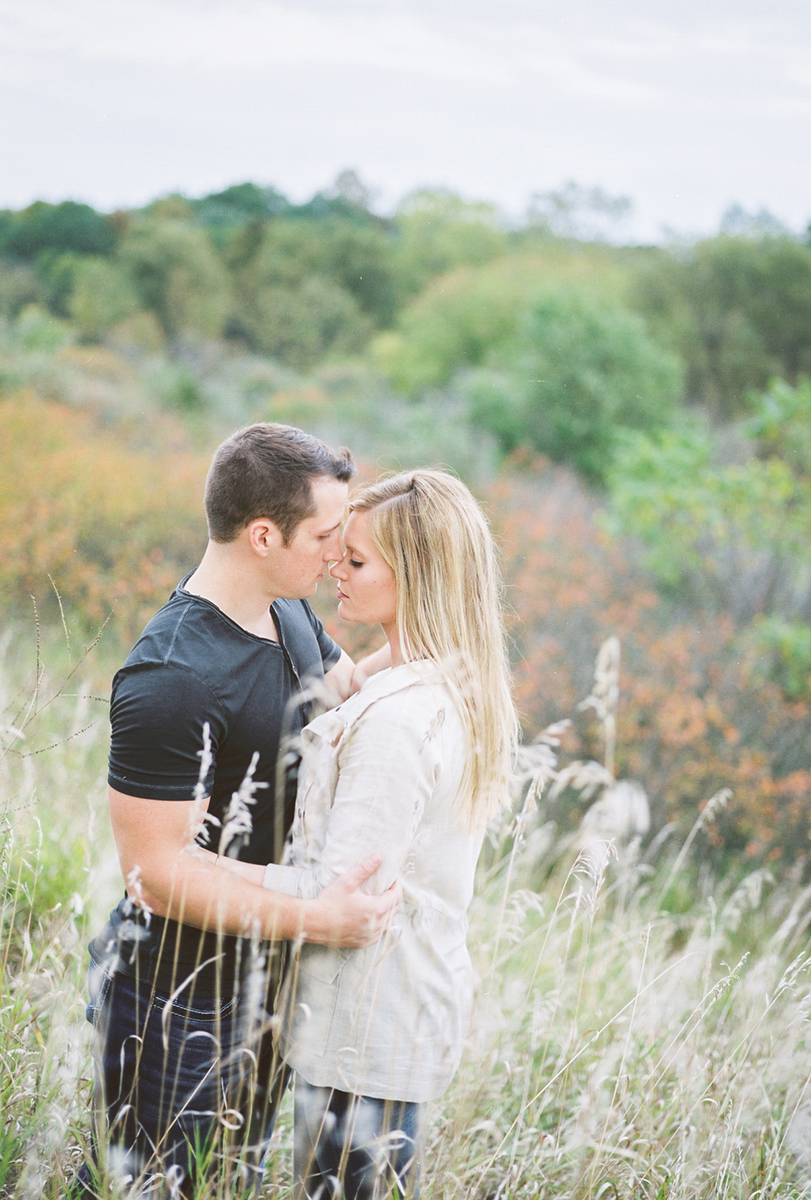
<point x="202" y="1011"/>
<point x="99" y="979"/>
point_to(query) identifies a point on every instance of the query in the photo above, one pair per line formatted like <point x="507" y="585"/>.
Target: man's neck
<point x="227" y="581"/>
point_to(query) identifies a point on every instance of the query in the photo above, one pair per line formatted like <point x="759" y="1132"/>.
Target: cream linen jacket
<point x="380" y="774"/>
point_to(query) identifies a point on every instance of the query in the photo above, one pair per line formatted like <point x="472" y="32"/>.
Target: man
<point x="203" y="715"/>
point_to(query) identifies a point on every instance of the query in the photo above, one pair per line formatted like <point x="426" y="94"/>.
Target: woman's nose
<point x="335" y="569"/>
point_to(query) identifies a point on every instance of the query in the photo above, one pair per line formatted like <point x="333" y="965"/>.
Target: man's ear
<point x="264" y="537"/>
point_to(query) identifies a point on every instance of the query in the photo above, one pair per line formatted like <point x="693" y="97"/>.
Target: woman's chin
<point x="344" y="611"/>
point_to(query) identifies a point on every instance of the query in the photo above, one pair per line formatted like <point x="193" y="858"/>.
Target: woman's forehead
<point x="356" y="530"/>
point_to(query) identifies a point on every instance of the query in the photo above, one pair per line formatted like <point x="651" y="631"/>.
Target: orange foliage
<point x="112" y="525"/>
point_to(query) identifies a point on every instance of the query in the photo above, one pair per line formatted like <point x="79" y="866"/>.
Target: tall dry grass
<point x="54" y="876"/>
<point x="640" y="1030"/>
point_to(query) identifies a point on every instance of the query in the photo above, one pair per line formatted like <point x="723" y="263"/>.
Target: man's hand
<point x="343" y="915"/>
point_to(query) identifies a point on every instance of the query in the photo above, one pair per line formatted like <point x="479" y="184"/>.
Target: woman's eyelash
<point x="353" y="563"/>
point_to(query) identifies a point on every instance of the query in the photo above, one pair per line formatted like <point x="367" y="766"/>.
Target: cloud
<point x="625" y="60"/>
<point x="239" y="35"/>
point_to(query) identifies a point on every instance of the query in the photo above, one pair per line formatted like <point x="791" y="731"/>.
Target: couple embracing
<point x="298" y="833"/>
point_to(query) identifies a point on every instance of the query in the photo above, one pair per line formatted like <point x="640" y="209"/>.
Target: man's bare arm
<point x="168" y="873"/>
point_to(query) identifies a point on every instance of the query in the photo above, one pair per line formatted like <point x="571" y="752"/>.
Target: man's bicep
<point x="150" y="834"/>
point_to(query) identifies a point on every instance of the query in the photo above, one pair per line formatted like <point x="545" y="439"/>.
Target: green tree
<point x="581" y="371"/>
<point x="352" y="255"/>
<point x="733" y="537"/>
<point x="310" y="288"/>
<point x="19" y="286"/>
<point x="574" y="211"/>
<point x="457" y="322"/>
<point x="738" y="311"/>
<point x="436" y="231"/>
<point x="240" y="205"/>
<point x="176" y="275"/>
<point x="465" y="318"/>
<point x="303" y="323"/>
<point x="781" y="425"/>
<point x="59" y="228"/>
<point x="102" y="294"/>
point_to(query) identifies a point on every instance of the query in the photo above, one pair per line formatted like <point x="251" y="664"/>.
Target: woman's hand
<point x="379" y="660"/>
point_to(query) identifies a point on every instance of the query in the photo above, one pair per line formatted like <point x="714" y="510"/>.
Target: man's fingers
<point x="351" y="917"/>
<point x="392" y="895"/>
<point x="360" y="873"/>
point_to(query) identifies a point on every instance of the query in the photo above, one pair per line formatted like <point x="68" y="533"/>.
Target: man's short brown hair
<point x="266" y="470"/>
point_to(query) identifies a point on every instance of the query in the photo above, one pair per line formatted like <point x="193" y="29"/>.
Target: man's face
<point x="298" y="567"/>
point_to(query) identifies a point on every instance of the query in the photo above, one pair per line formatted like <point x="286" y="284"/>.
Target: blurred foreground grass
<point x="641" y="1028"/>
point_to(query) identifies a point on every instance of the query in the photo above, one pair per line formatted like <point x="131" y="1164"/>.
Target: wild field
<point x="635" y="421"/>
<point x="641" y="1026"/>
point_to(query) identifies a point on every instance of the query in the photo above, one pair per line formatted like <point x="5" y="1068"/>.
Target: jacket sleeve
<point x="389" y="761"/>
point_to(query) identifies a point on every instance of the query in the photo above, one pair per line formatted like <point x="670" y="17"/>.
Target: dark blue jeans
<point x="184" y="1087"/>
<point x="355" y="1147"/>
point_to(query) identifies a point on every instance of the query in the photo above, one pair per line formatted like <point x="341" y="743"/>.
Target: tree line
<point x="444" y="293"/>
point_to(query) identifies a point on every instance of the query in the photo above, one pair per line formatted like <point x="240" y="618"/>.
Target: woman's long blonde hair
<point x="434" y="536"/>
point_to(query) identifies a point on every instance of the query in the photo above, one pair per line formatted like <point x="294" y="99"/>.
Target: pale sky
<point x="686" y="106"/>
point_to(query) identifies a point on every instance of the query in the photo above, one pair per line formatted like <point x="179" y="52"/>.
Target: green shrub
<point x="583" y="370"/>
<point x="731" y="537"/>
<point x="787" y="645"/>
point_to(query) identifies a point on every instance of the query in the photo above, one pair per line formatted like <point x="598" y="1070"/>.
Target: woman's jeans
<point x="354" y="1147"/>
<point x="184" y="1086"/>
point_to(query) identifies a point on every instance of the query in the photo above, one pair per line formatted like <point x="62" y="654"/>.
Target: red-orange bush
<point x="695" y="712"/>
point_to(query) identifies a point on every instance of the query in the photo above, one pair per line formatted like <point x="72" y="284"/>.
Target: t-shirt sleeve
<point x="330" y="650"/>
<point x="160" y="717"/>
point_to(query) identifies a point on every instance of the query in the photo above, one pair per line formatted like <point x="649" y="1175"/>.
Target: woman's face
<point x="366" y="587"/>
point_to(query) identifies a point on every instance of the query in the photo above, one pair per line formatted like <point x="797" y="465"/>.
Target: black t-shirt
<point x="194" y="672"/>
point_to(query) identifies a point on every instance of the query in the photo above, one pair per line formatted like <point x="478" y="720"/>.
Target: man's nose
<point x="333" y="548"/>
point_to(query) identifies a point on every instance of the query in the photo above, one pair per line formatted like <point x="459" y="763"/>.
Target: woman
<point x="411" y="767"/>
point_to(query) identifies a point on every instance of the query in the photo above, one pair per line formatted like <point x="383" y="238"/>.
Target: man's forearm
<point x="201" y="890"/>
<point x="167" y="872"/>
<point x="228" y="896"/>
